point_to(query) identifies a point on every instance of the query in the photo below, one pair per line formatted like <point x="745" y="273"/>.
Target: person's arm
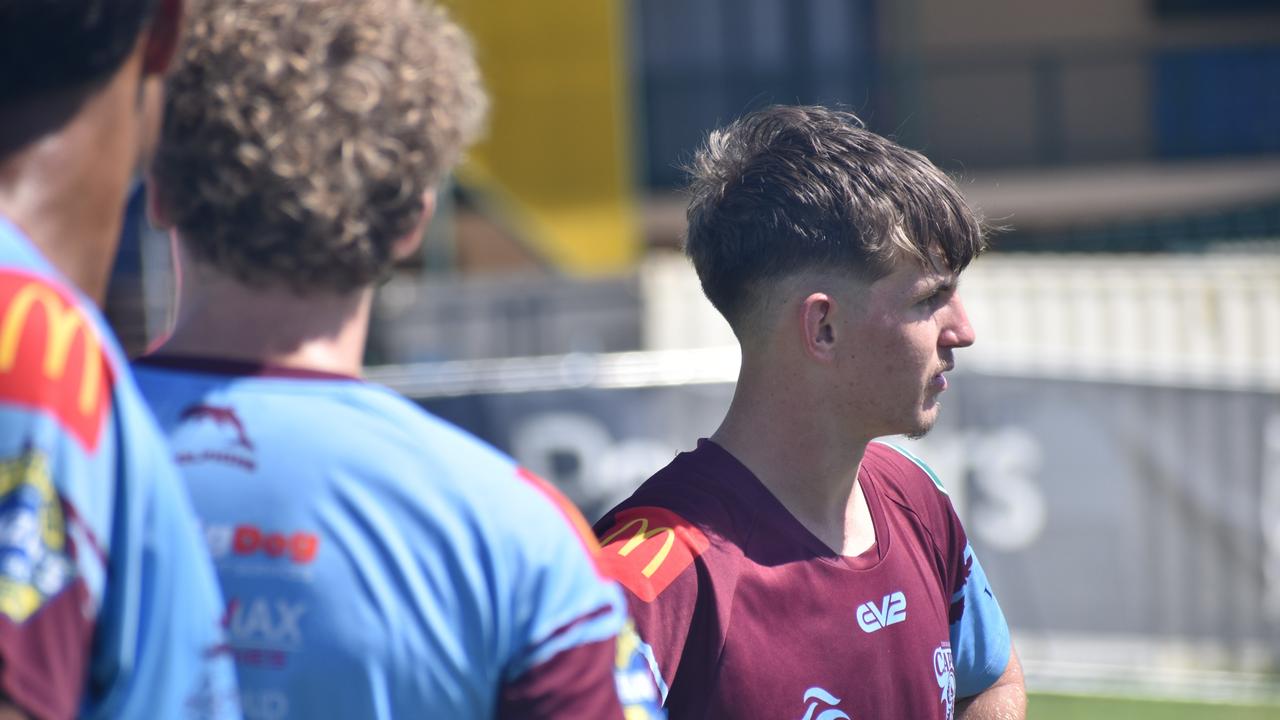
<point x="577" y="682"/>
<point x="988" y="675"/>
<point x="607" y="679"/>
<point x="9" y="712"/>
<point x="1005" y="699"/>
<point x="584" y="660"/>
<point x="52" y="427"/>
<point x="651" y="552"/>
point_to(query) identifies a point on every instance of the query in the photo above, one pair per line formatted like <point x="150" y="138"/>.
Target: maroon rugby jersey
<point x="748" y="615"/>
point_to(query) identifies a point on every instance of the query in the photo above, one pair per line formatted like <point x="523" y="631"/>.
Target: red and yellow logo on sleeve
<point x="647" y="548"/>
<point x="51" y="358"/>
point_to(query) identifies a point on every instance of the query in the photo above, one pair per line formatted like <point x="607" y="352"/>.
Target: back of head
<point x="787" y="189"/>
<point x="57" y="47"/>
<point x="300" y="135"/>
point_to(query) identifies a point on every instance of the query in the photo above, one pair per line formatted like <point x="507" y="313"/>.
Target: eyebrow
<point x="934" y="283"/>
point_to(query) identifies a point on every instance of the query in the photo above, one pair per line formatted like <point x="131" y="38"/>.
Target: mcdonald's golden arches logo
<point x="647" y="548"/>
<point x="50" y="356"/>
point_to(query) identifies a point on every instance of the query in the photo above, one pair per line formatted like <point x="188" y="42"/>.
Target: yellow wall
<point x="557" y="151"/>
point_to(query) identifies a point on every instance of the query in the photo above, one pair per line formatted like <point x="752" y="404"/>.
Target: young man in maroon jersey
<point x="790" y="566"/>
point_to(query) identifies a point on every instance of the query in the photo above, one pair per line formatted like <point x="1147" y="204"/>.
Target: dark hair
<point x="48" y="45"/>
<point x="788" y="189"/>
<point x="299" y="137"/>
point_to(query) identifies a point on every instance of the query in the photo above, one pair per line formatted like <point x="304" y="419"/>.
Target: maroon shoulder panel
<point x="576" y="683"/>
<point x="44" y="659"/>
<point x="909" y="486"/>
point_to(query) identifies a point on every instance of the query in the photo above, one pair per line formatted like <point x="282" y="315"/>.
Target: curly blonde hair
<point x="300" y="135"/>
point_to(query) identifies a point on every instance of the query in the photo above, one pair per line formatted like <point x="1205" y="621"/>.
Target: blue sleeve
<point x="562" y="600"/>
<point x="980" y="641"/>
<point x="569" y="606"/>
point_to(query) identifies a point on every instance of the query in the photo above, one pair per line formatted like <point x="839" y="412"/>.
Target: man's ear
<point x="818" y="328"/>
<point x="409" y="244"/>
<point x="164" y="33"/>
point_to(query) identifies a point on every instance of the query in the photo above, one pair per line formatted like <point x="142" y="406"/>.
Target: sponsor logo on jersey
<point x="817" y="699"/>
<point x="944" y="672"/>
<point x="51" y="357"/>
<point x="234" y="445"/>
<point x="263" y="631"/>
<point x="246" y="540"/>
<point x="873" y="616"/>
<point x="35" y="557"/>
<point x="648" y="547"/>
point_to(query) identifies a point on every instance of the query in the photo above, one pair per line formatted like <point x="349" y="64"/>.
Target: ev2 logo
<point x="893" y="609"/>
<point x="815" y="696"/>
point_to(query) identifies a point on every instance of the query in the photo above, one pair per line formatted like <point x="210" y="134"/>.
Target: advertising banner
<point x="1100" y="510"/>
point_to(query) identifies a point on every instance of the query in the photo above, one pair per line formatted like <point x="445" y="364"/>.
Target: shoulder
<point x="66" y="384"/>
<point x="685" y="493"/>
<point x="402" y="426"/>
<point x="905" y="478"/>
<point x="55" y="358"/>
<point x="501" y="501"/>
<point x="546" y="507"/>
<point x="676" y="519"/>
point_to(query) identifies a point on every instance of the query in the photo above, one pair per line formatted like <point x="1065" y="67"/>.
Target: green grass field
<point x="1044" y="706"/>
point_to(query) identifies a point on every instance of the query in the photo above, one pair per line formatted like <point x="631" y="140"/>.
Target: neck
<point x="66" y="186"/>
<point x="222" y="318"/>
<point x="784" y="432"/>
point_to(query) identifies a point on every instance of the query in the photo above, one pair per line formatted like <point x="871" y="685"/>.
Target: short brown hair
<point x="300" y="135"/>
<point x="796" y="188"/>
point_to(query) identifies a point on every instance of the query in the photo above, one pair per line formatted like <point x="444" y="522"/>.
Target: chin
<point x="923" y="425"/>
<point x="917" y="434"/>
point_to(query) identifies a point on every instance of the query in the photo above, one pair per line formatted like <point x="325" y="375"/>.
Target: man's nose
<point x="958" y="331"/>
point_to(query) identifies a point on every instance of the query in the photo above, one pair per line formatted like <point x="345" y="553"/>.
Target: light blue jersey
<point x="108" y="603"/>
<point x="378" y="562"/>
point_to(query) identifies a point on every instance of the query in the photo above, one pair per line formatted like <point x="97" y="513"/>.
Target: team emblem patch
<point x="634" y="676"/>
<point x="648" y="547"/>
<point x="34" y="553"/>
<point x="944" y="672"/>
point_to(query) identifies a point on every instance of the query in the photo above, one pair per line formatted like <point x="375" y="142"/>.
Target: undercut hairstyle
<point x="50" y="45"/>
<point x="790" y="189"/>
<point x="300" y="135"/>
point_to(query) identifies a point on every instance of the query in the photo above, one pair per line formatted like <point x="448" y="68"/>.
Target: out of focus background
<point x="1112" y="441"/>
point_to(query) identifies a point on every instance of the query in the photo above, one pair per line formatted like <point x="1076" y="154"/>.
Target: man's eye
<point x="937" y="298"/>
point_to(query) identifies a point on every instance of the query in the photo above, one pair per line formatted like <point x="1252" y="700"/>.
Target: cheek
<point x="921" y="342"/>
